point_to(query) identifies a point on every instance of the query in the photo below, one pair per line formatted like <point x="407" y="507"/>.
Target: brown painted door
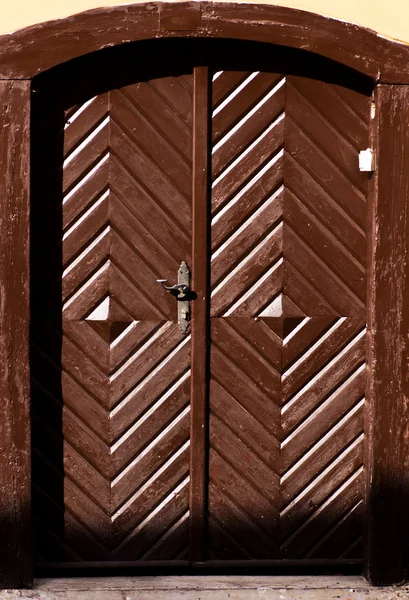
<point x="120" y="473"/>
<point x="287" y="318"/>
<point x="272" y="468"/>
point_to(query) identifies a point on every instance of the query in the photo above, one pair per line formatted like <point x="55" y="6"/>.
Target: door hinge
<point x="366" y="161"/>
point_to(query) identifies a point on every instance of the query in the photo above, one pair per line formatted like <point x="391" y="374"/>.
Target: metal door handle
<point x="180" y="288"/>
<point x="181" y="291"/>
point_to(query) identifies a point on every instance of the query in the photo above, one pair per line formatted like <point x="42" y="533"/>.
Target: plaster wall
<point x="387" y="17"/>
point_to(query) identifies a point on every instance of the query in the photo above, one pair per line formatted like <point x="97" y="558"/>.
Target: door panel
<point x="246" y="230"/>
<point x="125" y="365"/>
<point x="287" y="364"/>
<point x="244" y="491"/>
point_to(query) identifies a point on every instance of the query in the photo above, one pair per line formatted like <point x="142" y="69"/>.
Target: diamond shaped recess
<point x="282" y="308"/>
<point x="109" y="319"/>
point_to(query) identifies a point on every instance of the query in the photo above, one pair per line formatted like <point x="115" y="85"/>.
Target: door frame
<point x="36" y="49"/>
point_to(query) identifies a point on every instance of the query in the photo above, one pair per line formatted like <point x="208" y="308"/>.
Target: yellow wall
<point x="388" y="17"/>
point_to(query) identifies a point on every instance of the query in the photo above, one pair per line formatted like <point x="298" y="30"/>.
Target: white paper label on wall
<point x="366" y="160"/>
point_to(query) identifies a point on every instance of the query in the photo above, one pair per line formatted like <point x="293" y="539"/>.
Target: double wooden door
<point x="240" y="440"/>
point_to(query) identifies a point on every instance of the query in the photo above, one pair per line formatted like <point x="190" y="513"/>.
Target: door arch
<point x="194" y="18"/>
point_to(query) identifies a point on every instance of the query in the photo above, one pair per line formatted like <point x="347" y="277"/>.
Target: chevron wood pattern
<point x="247" y="183"/>
<point x="112" y="366"/>
<point x="325" y="204"/>
<point x="288" y="318"/>
<point x="288" y="202"/>
<point x="111" y="371"/>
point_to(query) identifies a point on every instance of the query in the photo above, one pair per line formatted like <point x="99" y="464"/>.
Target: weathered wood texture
<point x="35" y="49"/>
<point x="288" y="301"/>
<point x="110" y="364"/>
<point x="388" y="382"/>
<point x="15" y="496"/>
<point x="200" y="323"/>
<point x="111" y="369"/>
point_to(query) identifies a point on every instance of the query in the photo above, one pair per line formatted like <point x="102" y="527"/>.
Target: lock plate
<point x="182" y="292"/>
<point x="183" y="298"/>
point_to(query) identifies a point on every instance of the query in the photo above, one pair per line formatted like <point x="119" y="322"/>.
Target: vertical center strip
<point x="200" y="318"/>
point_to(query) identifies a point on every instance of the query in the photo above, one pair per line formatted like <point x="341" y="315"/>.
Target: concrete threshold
<point x="231" y="587"/>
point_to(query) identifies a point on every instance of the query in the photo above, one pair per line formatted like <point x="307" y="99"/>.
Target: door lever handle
<point x="183" y="294"/>
<point x="182" y="289"/>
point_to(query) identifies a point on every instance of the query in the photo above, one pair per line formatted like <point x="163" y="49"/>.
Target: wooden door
<point x="112" y="350"/>
<point x="287" y="310"/>
<point x="248" y="447"/>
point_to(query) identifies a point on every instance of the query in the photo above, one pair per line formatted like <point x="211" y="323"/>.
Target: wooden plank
<point x="235" y="107"/>
<point x="265" y="148"/>
<point x="314" y="428"/>
<point x="165" y="416"/>
<point x="238" y="525"/>
<point x="321" y="205"/>
<point x="320" y="382"/>
<point x="309" y="332"/>
<point x="320" y="488"/>
<point x="200" y="311"/>
<point x="323" y="454"/>
<point x="331" y="252"/>
<point x="325" y="135"/>
<point x="232" y="292"/>
<point x="259" y="474"/>
<point x="15" y="496"/>
<point x="259" y="370"/>
<point x="151" y="460"/>
<point x="151" y="103"/>
<point x="332" y="510"/>
<point x="388" y="385"/>
<point x="336" y="108"/>
<point x="326" y="347"/>
<point x="240" y="246"/>
<point x="249" y="201"/>
<point x="319" y="167"/>
<point x="320" y="276"/>
<point x="239" y="138"/>
<point x="151" y="139"/>
<point x="225" y="83"/>
<point x="178" y="95"/>
<point x="254" y="435"/>
<point x="256" y="403"/>
<point x="261" y="337"/>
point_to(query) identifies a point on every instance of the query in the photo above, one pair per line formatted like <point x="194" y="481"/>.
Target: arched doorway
<point x="232" y="434"/>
